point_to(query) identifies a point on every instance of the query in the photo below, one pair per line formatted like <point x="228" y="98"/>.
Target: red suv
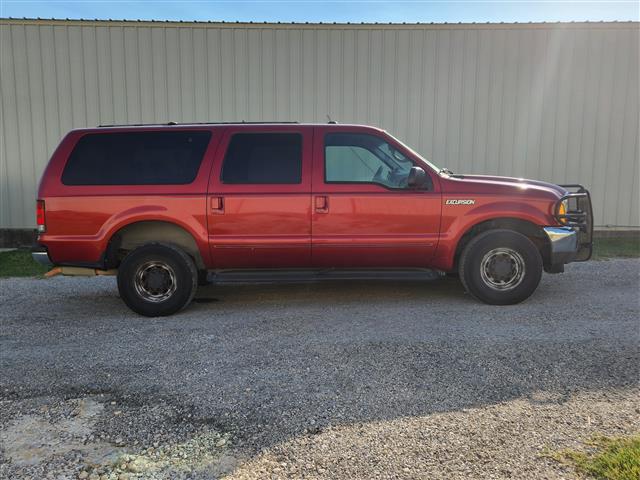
<point x="166" y="207"/>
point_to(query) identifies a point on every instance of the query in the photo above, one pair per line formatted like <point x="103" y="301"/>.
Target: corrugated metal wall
<point x="557" y="102"/>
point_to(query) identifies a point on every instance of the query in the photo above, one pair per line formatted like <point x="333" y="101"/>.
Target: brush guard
<point x="579" y="216"/>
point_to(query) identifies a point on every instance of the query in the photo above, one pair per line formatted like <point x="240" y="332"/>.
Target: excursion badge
<point x="460" y="201"/>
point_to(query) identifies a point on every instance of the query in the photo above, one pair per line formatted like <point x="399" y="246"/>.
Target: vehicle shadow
<point x="272" y="362"/>
<point x="344" y="291"/>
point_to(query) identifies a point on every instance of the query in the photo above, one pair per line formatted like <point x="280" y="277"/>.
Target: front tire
<point x="157" y="279"/>
<point x="500" y="267"/>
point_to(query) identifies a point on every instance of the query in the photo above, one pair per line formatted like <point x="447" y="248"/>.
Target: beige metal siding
<point x="557" y="102"/>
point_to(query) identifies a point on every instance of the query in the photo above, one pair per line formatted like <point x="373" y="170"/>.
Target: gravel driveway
<point x="328" y="380"/>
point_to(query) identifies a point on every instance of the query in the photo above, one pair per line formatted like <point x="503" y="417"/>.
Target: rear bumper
<point x="41" y="255"/>
<point x="564" y="244"/>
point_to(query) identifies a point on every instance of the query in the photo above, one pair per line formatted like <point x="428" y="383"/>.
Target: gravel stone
<point x="359" y="380"/>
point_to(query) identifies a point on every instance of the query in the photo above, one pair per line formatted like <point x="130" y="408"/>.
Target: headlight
<point x="561" y="210"/>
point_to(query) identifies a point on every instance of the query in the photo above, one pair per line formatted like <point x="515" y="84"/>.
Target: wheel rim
<point x="502" y="269"/>
<point x="155" y="281"/>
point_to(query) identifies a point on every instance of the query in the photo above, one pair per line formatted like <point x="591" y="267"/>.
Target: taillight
<point x="40" y="221"/>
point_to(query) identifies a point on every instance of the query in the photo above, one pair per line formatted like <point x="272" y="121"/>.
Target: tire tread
<point x="470" y="250"/>
<point x="182" y="256"/>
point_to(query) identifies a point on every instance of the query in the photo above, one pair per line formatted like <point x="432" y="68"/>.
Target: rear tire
<point x="500" y="267"/>
<point x="157" y="279"/>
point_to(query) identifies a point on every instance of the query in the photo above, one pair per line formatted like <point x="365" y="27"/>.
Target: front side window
<point x="136" y="158"/>
<point x="263" y="158"/>
<point x="363" y="158"/>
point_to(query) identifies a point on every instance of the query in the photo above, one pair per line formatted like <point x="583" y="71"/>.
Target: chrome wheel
<point x="502" y="269"/>
<point x="155" y="281"/>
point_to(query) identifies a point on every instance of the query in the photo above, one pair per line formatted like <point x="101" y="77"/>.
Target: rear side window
<point x="263" y="158"/>
<point x="138" y="158"/>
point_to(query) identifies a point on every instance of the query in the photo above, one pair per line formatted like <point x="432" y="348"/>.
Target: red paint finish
<point x="81" y="220"/>
<point x="494" y="197"/>
<point x="261" y="226"/>
<point x="79" y="228"/>
<point x="310" y="224"/>
<point x="368" y="225"/>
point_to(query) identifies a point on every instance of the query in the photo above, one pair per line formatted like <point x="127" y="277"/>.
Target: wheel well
<point x="136" y="234"/>
<point x="530" y="230"/>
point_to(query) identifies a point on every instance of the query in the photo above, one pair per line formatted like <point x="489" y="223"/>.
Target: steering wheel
<point x="397" y="178"/>
<point x="378" y="176"/>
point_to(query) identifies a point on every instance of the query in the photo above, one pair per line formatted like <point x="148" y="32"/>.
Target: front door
<point x="364" y="213"/>
<point x="259" y="199"/>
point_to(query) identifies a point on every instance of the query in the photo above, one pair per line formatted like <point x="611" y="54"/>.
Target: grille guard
<point x="579" y="215"/>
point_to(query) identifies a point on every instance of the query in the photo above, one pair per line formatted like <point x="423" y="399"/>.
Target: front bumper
<point x="41" y="255"/>
<point x="564" y="244"/>
<point x="573" y="241"/>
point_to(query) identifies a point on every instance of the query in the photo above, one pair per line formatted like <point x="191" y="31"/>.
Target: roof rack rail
<point x="241" y="122"/>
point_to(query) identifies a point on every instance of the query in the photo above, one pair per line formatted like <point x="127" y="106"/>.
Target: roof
<point x="238" y="123"/>
<point x="190" y="124"/>
<point x="319" y="25"/>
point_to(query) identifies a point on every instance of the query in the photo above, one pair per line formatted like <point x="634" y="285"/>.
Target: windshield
<point x="394" y="159"/>
<point x="432" y="165"/>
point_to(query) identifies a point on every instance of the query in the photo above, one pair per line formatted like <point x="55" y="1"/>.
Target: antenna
<point x="331" y="122"/>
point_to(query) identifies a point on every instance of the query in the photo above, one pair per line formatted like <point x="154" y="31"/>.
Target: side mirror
<point x="417" y="177"/>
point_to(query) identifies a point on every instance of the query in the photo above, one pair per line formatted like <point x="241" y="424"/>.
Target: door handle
<point x="322" y="204"/>
<point x="217" y="205"/>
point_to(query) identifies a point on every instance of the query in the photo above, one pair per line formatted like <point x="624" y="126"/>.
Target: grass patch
<point x="18" y="263"/>
<point x="605" y="458"/>
<point x="604" y="248"/>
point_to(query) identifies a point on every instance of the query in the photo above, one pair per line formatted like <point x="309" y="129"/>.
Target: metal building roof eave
<point x="320" y="25"/>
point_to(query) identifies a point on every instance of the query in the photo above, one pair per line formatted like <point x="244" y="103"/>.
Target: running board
<point x="300" y="276"/>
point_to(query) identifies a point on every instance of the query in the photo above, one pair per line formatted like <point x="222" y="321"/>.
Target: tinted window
<point x="140" y="158"/>
<point x="254" y="158"/>
<point x="362" y="158"/>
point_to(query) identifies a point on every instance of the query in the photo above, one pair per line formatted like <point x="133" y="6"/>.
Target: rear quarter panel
<point x="82" y="219"/>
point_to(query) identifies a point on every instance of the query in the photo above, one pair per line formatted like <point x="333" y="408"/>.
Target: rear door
<point x="364" y="213"/>
<point x="259" y="199"/>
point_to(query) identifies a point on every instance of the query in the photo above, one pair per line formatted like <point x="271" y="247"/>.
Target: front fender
<point x="460" y="219"/>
